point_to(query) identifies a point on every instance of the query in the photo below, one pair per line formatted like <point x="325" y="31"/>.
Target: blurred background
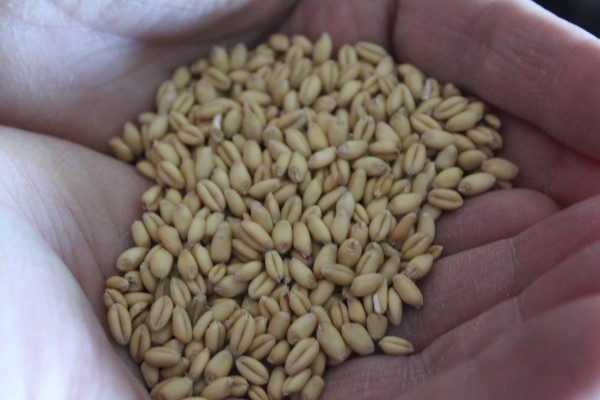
<point x="585" y="13"/>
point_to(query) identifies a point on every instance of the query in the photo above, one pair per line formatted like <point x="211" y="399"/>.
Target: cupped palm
<point x="510" y="311"/>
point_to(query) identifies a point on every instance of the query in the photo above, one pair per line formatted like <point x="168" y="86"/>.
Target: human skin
<point x="511" y="310"/>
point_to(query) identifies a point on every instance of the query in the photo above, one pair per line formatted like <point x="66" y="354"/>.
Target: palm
<point x="514" y="293"/>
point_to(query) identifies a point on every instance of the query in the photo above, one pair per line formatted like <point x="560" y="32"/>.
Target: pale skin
<point x="511" y="311"/>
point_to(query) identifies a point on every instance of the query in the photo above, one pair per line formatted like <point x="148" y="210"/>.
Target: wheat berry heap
<point x="294" y="209"/>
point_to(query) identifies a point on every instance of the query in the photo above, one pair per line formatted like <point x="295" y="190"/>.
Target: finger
<point x="500" y="50"/>
<point x="532" y="362"/>
<point x="548" y="166"/>
<point x="550" y="356"/>
<point x="466" y="284"/>
<point x="561" y="285"/>
<point x="82" y="203"/>
<point x="346" y="21"/>
<point x="85" y="70"/>
<point x="490" y="217"/>
<point x="52" y="344"/>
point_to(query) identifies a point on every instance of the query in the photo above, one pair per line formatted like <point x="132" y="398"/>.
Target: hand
<point x="509" y="311"/>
